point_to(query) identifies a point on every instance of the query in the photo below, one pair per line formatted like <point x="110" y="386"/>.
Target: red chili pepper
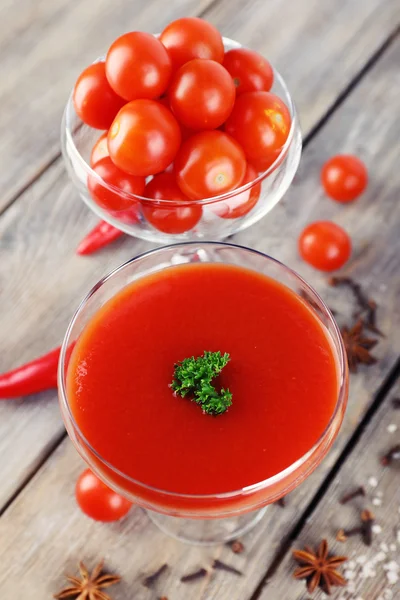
<point x="99" y="237"/>
<point x="38" y="375"/>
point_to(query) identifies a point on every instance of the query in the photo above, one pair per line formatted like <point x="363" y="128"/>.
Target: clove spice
<point x="360" y="491"/>
<point x="218" y="564"/>
<point x="150" y="580"/>
<point x="194" y="576"/>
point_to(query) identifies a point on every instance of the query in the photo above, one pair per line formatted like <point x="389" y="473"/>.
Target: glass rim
<point x="66" y="129"/>
<point x="265" y="483"/>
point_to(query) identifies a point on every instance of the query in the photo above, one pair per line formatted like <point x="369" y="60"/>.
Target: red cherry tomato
<point x="94" y="100"/>
<point x="325" y="245"/>
<point x="138" y="66"/>
<point x="125" y="184"/>
<point x="202" y="94"/>
<point x="172" y="218"/>
<point x="344" y="177"/>
<point x="185" y="132"/>
<point x="97" y="500"/>
<point x="99" y="150"/>
<point x="144" y="138"/>
<point x="260" y="122"/>
<point x="241" y="203"/>
<point x="208" y="164"/>
<point x="191" y="37"/>
<point x="250" y="71"/>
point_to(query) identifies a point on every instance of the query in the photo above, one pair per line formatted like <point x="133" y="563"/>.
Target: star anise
<point x="358" y="346"/>
<point x="88" y="587"/>
<point x="318" y="568"/>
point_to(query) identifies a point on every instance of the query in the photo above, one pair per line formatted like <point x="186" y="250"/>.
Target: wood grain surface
<point x="367" y="567"/>
<point x="42" y="532"/>
<point x="318" y="46"/>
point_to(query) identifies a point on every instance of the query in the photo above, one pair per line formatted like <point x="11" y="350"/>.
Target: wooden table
<point x="341" y="60"/>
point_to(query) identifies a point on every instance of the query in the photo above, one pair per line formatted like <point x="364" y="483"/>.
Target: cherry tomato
<point x="202" y="94"/>
<point x="138" y="66"/>
<point x="208" y="164"/>
<point x="99" y="150"/>
<point x="97" y="500"/>
<point x="94" y="100"/>
<point x="144" y="138"/>
<point x="191" y="37"/>
<point x="344" y="177"/>
<point x="173" y="218"/>
<point x="185" y="131"/>
<point x="260" y="122"/>
<point x="250" y="71"/>
<point x="325" y="245"/>
<point x="241" y="203"/>
<point x="125" y="184"/>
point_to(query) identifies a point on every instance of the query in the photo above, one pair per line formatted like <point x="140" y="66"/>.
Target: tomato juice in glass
<point x="286" y="373"/>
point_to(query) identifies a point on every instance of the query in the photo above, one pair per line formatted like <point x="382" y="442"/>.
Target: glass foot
<point x="206" y="532"/>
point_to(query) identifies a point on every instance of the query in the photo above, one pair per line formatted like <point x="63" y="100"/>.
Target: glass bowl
<point x="77" y="140"/>
<point x="209" y="518"/>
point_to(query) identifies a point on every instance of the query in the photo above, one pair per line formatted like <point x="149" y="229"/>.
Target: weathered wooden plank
<point x="44" y="510"/>
<point x="367" y="569"/>
<point x="36" y="77"/>
<point x="44" y="45"/>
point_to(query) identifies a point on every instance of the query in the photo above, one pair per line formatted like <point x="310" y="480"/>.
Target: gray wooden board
<point x="42" y="532"/>
<point x="318" y="46"/>
<point x="367" y="568"/>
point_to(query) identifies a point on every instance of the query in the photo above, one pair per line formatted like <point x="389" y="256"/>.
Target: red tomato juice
<point x="283" y="376"/>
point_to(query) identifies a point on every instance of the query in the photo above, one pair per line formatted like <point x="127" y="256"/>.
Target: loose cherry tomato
<point x="191" y="37"/>
<point x="95" y="101"/>
<point x="138" y="66"/>
<point x="241" y="203"/>
<point x="97" y="500"/>
<point x="325" y="245"/>
<point x="202" y="94"/>
<point x="144" y="138"/>
<point x="99" y="150"/>
<point x="209" y="163"/>
<point x="260" y="122"/>
<point x="250" y="71"/>
<point x="344" y="177"/>
<point x="116" y="199"/>
<point x="169" y="218"/>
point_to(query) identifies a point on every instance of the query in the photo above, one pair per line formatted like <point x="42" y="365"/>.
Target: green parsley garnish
<point x="193" y="377"/>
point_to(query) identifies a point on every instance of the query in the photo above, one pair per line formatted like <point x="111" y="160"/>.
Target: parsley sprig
<point x="193" y="377"/>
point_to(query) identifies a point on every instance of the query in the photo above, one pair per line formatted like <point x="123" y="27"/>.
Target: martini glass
<point x="218" y="517"/>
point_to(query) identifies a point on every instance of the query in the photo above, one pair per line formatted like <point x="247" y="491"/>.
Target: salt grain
<point x="391" y="566"/>
<point x="392" y="427"/>
<point x="373" y="482"/>
<point x="384" y="547"/>
<point x="351" y="564"/>
<point x="351" y="587"/>
<point x="376" y="528"/>
<point x="387" y="594"/>
<point x="349" y="574"/>
<point x="376" y="501"/>
<point x="381" y="556"/>
<point x="392" y="577"/>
